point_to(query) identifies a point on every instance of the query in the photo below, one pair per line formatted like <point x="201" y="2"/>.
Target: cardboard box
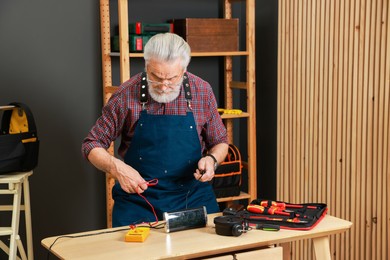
<point x="208" y="34"/>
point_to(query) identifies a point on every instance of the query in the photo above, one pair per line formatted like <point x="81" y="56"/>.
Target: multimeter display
<point x="185" y="219"/>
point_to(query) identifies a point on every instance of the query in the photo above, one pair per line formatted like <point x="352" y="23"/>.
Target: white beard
<point x="163" y="97"/>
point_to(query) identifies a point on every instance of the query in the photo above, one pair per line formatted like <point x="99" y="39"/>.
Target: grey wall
<point x="50" y="60"/>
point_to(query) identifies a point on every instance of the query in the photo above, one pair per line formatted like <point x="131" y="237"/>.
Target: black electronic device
<point x="230" y="226"/>
<point x="185" y="219"/>
<point x="229" y="212"/>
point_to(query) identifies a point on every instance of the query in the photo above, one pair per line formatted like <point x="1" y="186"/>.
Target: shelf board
<point x="193" y="54"/>
<point x="239" y="85"/>
<point x="111" y="89"/>
<point x="242" y="196"/>
<point x="231" y="116"/>
<point x="222" y="53"/>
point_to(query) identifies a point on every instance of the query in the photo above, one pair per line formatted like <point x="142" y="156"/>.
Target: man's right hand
<point x="129" y="178"/>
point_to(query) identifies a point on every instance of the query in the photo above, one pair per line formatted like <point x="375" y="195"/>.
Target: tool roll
<point x="286" y="215"/>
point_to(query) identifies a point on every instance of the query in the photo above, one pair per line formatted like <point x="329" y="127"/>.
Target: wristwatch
<point x="215" y="160"/>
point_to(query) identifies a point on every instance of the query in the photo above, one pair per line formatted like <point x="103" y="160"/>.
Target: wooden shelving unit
<point x="193" y="54"/>
<point x="249" y="86"/>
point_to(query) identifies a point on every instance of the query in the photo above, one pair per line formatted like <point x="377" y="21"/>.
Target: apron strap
<point x="187" y="91"/>
<point x="144" y="90"/>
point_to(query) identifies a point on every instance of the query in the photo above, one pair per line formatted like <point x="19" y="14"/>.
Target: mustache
<point x="161" y="91"/>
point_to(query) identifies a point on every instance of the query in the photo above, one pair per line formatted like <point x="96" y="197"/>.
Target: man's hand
<point x="206" y="165"/>
<point x="205" y="171"/>
<point x="129" y="178"/>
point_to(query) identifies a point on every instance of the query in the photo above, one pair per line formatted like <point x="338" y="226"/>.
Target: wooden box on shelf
<point x="208" y="34"/>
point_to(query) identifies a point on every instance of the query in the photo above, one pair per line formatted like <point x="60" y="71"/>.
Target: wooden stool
<point x="16" y="182"/>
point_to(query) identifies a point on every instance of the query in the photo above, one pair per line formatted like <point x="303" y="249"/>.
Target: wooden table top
<point x="182" y="244"/>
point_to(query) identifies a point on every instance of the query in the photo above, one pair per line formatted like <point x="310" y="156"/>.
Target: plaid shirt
<point x="121" y="113"/>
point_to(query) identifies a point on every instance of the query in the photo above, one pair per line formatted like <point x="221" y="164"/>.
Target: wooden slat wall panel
<point x="333" y="141"/>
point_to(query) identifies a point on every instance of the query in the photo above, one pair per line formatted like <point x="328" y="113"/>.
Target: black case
<point x="302" y="216"/>
<point x="18" y="151"/>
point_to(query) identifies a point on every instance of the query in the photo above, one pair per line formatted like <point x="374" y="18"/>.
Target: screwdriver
<point x="296" y="220"/>
<point x="293" y="220"/>
<point x="270" y="203"/>
<point x="282" y="205"/>
<point x="268" y="227"/>
<point x="261" y="210"/>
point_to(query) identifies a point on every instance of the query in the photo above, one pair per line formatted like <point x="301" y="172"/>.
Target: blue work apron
<point x="167" y="148"/>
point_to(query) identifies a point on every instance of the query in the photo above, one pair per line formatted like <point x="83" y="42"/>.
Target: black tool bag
<point x="227" y="178"/>
<point x="19" y="144"/>
<point x="286" y="215"/>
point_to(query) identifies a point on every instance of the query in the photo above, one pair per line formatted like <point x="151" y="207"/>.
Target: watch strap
<point x="215" y="160"/>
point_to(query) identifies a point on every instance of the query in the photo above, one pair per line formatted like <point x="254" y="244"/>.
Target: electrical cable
<point x="154" y="225"/>
<point x="191" y="188"/>
<point x="83" y="235"/>
<point x="152" y="182"/>
<point x="159" y="226"/>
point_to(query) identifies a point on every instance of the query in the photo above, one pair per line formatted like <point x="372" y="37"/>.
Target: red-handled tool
<point x="293" y="220"/>
<point x="297" y="220"/>
<point x="282" y="205"/>
<point x="265" y="210"/>
<point x="270" y="203"/>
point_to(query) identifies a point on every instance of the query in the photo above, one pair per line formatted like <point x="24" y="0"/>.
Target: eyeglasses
<point x="167" y="83"/>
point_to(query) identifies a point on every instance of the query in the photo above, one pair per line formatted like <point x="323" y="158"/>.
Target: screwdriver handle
<point x="271" y="203"/>
<point x="268" y="227"/>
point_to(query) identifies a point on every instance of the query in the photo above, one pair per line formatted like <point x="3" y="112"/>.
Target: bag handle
<point x="233" y="154"/>
<point x="8" y="113"/>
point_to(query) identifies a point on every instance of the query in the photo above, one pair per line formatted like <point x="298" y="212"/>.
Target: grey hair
<point x="167" y="47"/>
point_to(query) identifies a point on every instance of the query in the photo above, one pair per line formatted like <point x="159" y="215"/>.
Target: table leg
<point x="322" y="248"/>
<point x="286" y="250"/>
